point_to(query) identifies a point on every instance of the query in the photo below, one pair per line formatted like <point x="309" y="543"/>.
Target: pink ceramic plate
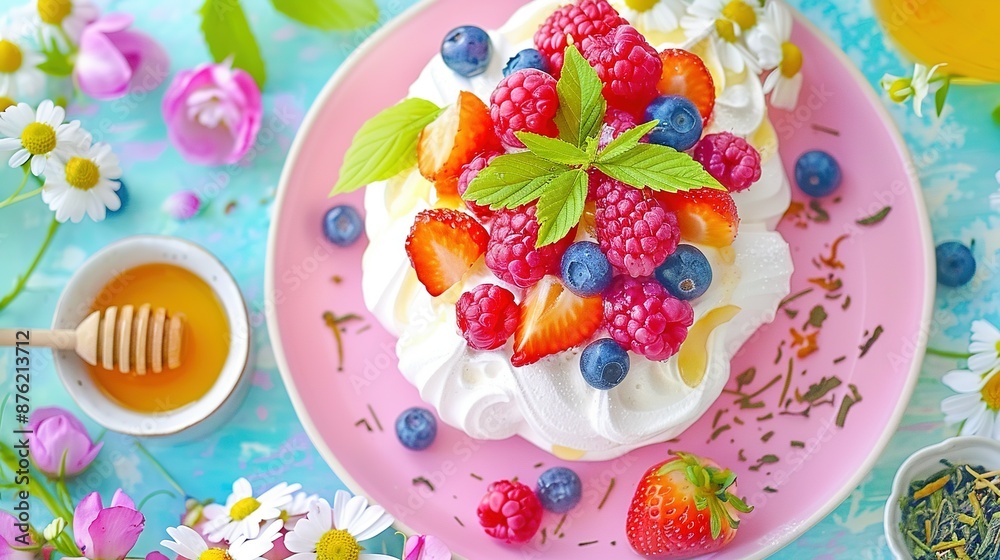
<point x="794" y="466"/>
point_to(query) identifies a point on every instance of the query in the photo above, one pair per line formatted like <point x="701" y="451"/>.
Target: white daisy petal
<point x="353" y="510"/>
<point x="303" y="556"/>
<point x="242" y="489"/>
<point x="962" y="381"/>
<point x="975" y="422"/>
<point x="958" y="406"/>
<point x="371" y="523"/>
<point x="37" y="165"/>
<point x="19" y="157"/>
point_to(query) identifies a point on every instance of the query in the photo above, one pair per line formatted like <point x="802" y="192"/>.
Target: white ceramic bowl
<point x="80" y="294"/>
<point x="924" y="463"/>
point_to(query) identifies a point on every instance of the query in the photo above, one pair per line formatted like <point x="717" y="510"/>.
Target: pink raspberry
<point x="510" y="512"/>
<point x="616" y="122"/>
<point x="487" y="316"/>
<point x="730" y="159"/>
<point x="524" y="101"/>
<point x="511" y="253"/>
<point x="643" y="317"/>
<point x="629" y="67"/>
<point x="635" y="231"/>
<point x="469" y="172"/>
<point x="586" y="18"/>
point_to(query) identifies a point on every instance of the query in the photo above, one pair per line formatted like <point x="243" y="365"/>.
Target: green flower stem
<point x="160" y="468"/>
<point x="24" y="181"/>
<point x="23" y="279"/>
<point x="947" y="354"/>
<point x="25" y="196"/>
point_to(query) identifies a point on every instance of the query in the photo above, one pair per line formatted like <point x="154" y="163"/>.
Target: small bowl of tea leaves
<point x="945" y="502"/>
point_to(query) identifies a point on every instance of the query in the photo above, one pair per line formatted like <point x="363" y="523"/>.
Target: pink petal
<point x="149" y="63"/>
<point x="121" y="499"/>
<point x="115" y="532"/>
<point x="112" y="22"/>
<point x="86" y="512"/>
<point x="101" y="70"/>
<point x="199" y="144"/>
<point x="44" y="413"/>
<point x="426" y="547"/>
<point x="156" y="556"/>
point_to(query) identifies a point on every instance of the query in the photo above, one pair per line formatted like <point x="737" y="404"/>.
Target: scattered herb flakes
<point x="875" y="218"/>
<point x="820" y="214"/>
<point x="607" y="493"/>
<point x="746" y="401"/>
<point x="781" y="346"/>
<point x="375" y="417"/>
<point x="832" y="260"/>
<point x="718" y="416"/>
<point x="766" y="437"/>
<point x="364" y="422"/>
<point x="545" y="535"/>
<point x="423" y="480"/>
<point x="614" y="543"/>
<point x="803" y="413"/>
<point x="336" y="279"/>
<point x="767" y="416"/>
<point x="741" y="456"/>
<point x="819" y="390"/>
<point x="794" y="214"/>
<point x="331" y="322"/>
<point x="846" y="304"/>
<point x="737" y="420"/>
<point x="559" y="525"/>
<point x="765" y="460"/>
<point x="476" y="476"/>
<point x="459" y="521"/>
<point x="363" y="329"/>
<point x="817" y="316"/>
<point x="539" y="465"/>
<point x="791" y="313"/>
<point x="745" y="378"/>
<point x="788" y="381"/>
<point x="794" y="297"/>
<point x="230" y="206"/>
<point x="805" y="342"/>
<point x="840" y="359"/>
<point x="587" y="543"/>
<point x="830" y="283"/>
<point x="846" y="404"/>
<point x="871" y="341"/>
<point x="769" y="490"/>
<point x="826" y="129"/>
<point x="719" y="431"/>
<point x="797" y="443"/>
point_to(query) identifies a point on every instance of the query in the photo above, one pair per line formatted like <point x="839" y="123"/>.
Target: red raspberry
<point x="616" y="122"/>
<point x="629" y="67"/>
<point x="511" y="253"/>
<point x="510" y="511"/>
<point x="487" y="316"/>
<point x="730" y="159"/>
<point x="469" y="172"/>
<point x="635" y="231"/>
<point x="525" y="100"/>
<point x="643" y="317"/>
<point x="586" y="18"/>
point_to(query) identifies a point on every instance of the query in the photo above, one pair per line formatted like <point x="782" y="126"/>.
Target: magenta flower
<point x="114" y="60"/>
<point x="107" y="533"/>
<point x="59" y="441"/>
<point x="425" y="547"/>
<point x="213" y="113"/>
<point x="11" y="540"/>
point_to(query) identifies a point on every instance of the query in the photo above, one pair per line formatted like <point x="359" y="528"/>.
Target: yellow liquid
<point x="961" y="33"/>
<point x="203" y="349"/>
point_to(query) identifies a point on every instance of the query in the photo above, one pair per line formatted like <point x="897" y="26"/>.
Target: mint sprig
<point x="555" y="171"/>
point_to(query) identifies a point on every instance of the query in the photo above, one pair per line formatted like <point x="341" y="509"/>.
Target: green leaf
<point x="561" y="206"/>
<point x="56" y="63"/>
<point x="581" y="105"/>
<point x="227" y="33"/>
<point x="512" y="178"/>
<point x="553" y="149"/>
<point x="340" y="15"/>
<point x="941" y="96"/>
<point x="659" y="168"/>
<point x="626" y="141"/>
<point x="385" y="145"/>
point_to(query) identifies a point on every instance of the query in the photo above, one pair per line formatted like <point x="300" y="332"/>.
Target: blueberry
<point x="686" y="274"/>
<point x="817" y="173"/>
<point x="416" y="428"/>
<point x="342" y="225"/>
<point x="680" y="122"/>
<point x="585" y="269"/>
<point x="559" y="489"/>
<point x="955" y="264"/>
<point x="528" y="58"/>
<point x="467" y="50"/>
<point x="123" y="197"/>
<point x="604" y="364"/>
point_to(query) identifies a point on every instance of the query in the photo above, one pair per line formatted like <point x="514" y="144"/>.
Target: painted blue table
<point x="956" y="158"/>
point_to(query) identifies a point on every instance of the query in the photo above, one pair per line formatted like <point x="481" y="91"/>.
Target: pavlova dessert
<point x="571" y="218"/>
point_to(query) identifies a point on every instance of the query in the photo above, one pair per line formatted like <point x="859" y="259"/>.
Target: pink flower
<point x="425" y="547"/>
<point x="59" y="437"/>
<point x="213" y="113"/>
<point x="114" y="60"/>
<point x="157" y="556"/>
<point x="11" y="539"/>
<point x="107" y="533"/>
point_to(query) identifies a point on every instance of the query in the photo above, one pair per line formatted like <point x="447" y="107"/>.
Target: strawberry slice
<point x="443" y="244"/>
<point x="684" y="73"/>
<point x="553" y="319"/>
<point x="463" y="131"/>
<point x="683" y="507"/>
<point x="706" y="216"/>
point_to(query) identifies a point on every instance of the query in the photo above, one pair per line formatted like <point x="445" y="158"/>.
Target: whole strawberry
<point x="571" y="25"/>
<point x="684" y="507"/>
<point x="510" y="512"/>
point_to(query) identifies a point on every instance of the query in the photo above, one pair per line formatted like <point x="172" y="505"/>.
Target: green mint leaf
<point x="512" y="180"/>
<point x="581" y="105"/>
<point x="227" y="33"/>
<point x="561" y="206"/>
<point x="659" y="168"/>
<point x="385" y="145"/>
<point x="941" y="96"/>
<point x="626" y="141"/>
<point x="553" y="149"/>
<point x="340" y="15"/>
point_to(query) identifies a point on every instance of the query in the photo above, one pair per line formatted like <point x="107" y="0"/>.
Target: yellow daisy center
<point x="215" y="554"/>
<point x="243" y="508"/>
<point x="991" y="392"/>
<point x="736" y="12"/>
<point x="900" y="90"/>
<point x="54" y="11"/>
<point x="6" y="102"/>
<point x="726" y="30"/>
<point x="10" y="57"/>
<point x="38" y="138"/>
<point x="337" y="544"/>
<point x="791" y="59"/>
<point x="641" y="5"/>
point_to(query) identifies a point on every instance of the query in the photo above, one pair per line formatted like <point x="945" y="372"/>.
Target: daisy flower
<point x="902" y="88"/>
<point x="297" y="507"/>
<point x="655" y="15"/>
<point x="333" y="533"/>
<point x="63" y="21"/>
<point x="83" y="183"/>
<point x="771" y="42"/>
<point x="726" y="22"/>
<point x="20" y="77"/>
<point x="38" y="134"/>
<point x="192" y="546"/>
<point x="976" y="403"/>
<point x="243" y="513"/>
<point x="985" y="348"/>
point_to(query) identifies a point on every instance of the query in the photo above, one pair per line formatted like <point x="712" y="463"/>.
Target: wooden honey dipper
<point x="123" y="338"/>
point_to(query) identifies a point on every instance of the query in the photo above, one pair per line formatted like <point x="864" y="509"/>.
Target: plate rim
<point x="926" y="239"/>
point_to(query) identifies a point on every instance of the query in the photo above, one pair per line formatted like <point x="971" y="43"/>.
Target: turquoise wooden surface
<point x="956" y="157"/>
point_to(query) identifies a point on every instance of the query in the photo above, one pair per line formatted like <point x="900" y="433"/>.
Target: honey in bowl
<point x="204" y="347"/>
